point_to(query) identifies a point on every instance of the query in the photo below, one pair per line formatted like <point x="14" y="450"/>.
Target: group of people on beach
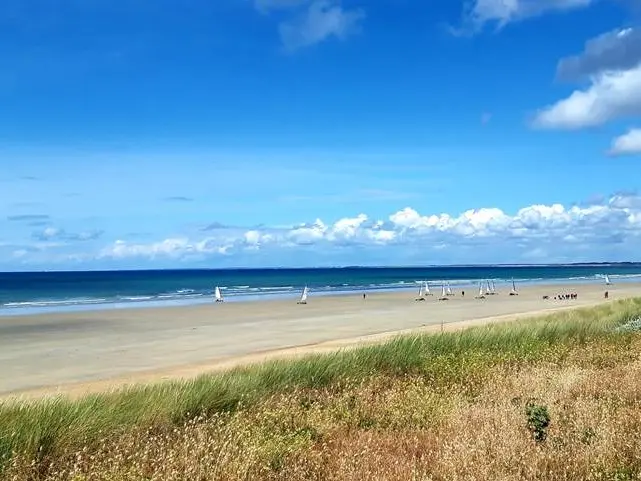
<point x="566" y="297"/>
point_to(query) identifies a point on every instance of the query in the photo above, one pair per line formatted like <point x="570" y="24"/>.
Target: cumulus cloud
<point x="611" y="62"/>
<point x="180" y="247"/>
<point x="618" y="49"/>
<point x="320" y="21"/>
<point x="501" y="12"/>
<point x="602" y="223"/>
<point x="612" y="95"/>
<point x="627" y="144"/>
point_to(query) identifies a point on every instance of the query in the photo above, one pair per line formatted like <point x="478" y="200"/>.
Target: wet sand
<point x="76" y="353"/>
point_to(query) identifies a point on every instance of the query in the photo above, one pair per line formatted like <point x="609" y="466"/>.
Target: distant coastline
<point x="272" y="268"/>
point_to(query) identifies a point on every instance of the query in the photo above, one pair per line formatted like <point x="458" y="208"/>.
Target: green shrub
<point x="538" y="420"/>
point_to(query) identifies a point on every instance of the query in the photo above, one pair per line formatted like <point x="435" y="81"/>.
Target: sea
<point x="41" y="292"/>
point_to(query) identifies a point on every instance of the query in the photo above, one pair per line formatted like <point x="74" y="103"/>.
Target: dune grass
<point x="41" y="433"/>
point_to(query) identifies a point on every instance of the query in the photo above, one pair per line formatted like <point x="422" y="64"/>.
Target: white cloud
<point x="618" y="49"/>
<point x="348" y="227"/>
<point x="612" y="63"/>
<point x="254" y="239"/>
<point x="627" y="144"/>
<point x="321" y="20"/>
<point x="312" y="21"/>
<point x="167" y="247"/>
<point x="307" y="234"/>
<point x="608" y="223"/>
<point x="502" y="12"/>
<point x="612" y="95"/>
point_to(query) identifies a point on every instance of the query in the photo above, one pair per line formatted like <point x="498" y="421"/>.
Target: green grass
<point x="46" y="428"/>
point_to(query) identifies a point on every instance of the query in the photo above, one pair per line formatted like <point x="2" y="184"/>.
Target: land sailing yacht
<point x="449" y="290"/>
<point x="303" y="296"/>
<point x="218" y="295"/>
<point x="443" y="294"/>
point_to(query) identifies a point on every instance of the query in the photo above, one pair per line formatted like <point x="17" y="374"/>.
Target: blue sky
<point x="318" y="132"/>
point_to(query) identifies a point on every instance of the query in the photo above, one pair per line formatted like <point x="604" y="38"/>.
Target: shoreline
<point x="31" y="308"/>
<point x="81" y="353"/>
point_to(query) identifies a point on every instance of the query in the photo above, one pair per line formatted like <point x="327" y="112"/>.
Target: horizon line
<point x="428" y="266"/>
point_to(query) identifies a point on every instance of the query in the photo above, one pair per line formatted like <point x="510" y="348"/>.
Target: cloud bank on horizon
<point x="603" y="229"/>
<point x="616" y="221"/>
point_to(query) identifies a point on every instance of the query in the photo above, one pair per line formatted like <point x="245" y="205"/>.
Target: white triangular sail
<point x="303" y="296"/>
<point x="487" y="287"/>
<point x="218" y="295"/>
<point x="493" y="287"/>
<point x="443" y="293"/>
<point x="449" y="290"/>
<point x="607" y="280"/>
<point x="513" y="292"/>
<point x="427" y="289"/>
<point x="480" y="295"/>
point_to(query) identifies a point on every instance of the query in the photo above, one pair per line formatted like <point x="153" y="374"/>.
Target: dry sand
<point x="76" y="353"/>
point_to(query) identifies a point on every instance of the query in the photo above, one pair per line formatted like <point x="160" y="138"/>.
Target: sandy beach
<point x="77" y="353"/>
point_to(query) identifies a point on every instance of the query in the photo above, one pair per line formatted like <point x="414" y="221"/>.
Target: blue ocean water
<point x="32" y="292"/>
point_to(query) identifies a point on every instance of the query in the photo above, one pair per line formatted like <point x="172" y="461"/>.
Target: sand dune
<point x="81" y="352"/>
